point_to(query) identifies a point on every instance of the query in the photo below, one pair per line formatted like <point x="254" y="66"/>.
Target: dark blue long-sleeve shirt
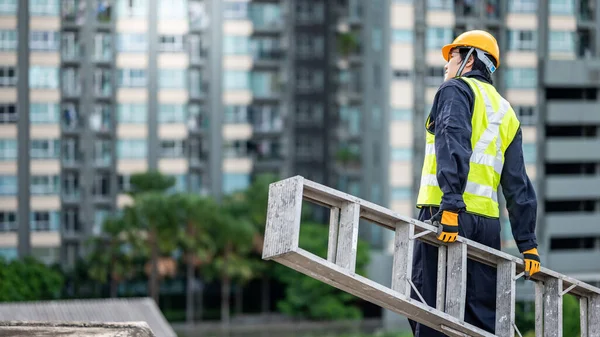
<point x="451" y="116"/>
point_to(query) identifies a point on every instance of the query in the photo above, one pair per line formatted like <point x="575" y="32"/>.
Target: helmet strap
<point x="486" y="60"/>
<point x="464" y="62"/>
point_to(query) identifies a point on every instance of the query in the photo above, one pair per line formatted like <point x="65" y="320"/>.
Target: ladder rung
<point x="348" y="236"/>
<point x="505" y="299"/>
<point x="334" y="223"/>
<point x="403" y="256"/>
<point x="456" y="286"/>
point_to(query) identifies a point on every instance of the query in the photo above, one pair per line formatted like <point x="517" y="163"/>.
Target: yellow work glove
<point x="447" y="222"/>
<point x="532" y="262"/>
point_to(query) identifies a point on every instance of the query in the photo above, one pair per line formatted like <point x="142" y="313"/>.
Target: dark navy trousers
<point x="481" y="279"/>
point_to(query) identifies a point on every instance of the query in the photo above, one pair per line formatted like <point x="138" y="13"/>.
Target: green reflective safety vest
<point x="494" y="125"/>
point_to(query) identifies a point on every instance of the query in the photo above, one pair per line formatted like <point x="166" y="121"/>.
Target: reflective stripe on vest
<point x="486" y="163"/>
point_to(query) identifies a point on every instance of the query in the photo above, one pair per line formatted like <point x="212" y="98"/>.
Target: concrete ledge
<point x="68" y="329"/>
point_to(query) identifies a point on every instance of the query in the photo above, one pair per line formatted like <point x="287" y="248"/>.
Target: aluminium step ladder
<point x="281" y="245"/>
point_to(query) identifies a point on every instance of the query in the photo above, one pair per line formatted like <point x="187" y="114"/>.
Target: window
<point x="70" y="185"/>
<point x="265" y="15"/>
<point x="376" y="39"/>
<point x="197" y="50"/>
<point x="132" y="42"/>
<point x="102" y="152"/>
<point x="100" y="119"/>
<point x="236" y="45"/>
<point x="529" y="153"/>
<point x="196" y="183"/>
<point x="70" y="47"/>
<point x="132" y="78"/>
<point x="172" y="148"/>
<point x="522" y="6"/>
<point x="309" y="112"/>
<point x="236" y="80"/>
<point x="70" y="154"/>
<point x="132" y="8"/>
<point x="72" y="11"/>
<point x="8" y="221"/>
<point x="172" y="9"/>
<point x="45" y="148"/>
<point x="402" y="36"/>
<point x="266" y="118"/>
<point x="562" y="41"/>
<point x="198" y="17"/>
<point x="8" y="113"/>
<point x="525" y="78"/>
<point x="171" y="43"/>
<point x="124" y="182"/>
<point x="8" y="76"/>
<point x="133" y="113"/>
<point x="562" y="7"/>
<point x="401" y="193"/>
<point x="43" y="77"/>
<point x="43" y="185"/>
<point x="435" y="76"/>
<point x="102" y="47"/>
<point x="437" y="37"/>
<point x="102" y="85"/>
<point x="196" y="86"/>
<point x="310" y="11"/>
<point x="171" y="113"/>
<point x="101" y="185"/>
<point x="70" y="118"/>
<point x="71" y="221"/>
<point x="8" y="185"/>
<point x="197" y="117"/>
<point x="263" y="83"/>
<point x="526" y="114"/>
<point x="235" y="10"/>
<point x="180" y="184"/>
<point x="309" y="80"/>
<point x="43" y="7"/>
<point x="235" y="149"/>
<point x="45" y="221"/>
<point x="440" y="4"/>
<point x="71" y="83"/>
<point x="8" y="40"/>
<point x="171" y="79"/>
<point x="8" y="7"/>
<point x="43" y="113"/>
<point x="309" y="47"/>
<point x="235" y="181"/>
<point x="9" y="254"/>
<point x="44" y="40"/>
<point x="399" y="114"/>
<point x="236" y="114"/>
<point x="8" y="149"/>
<point x="100" y="215"/>
<point x="401" y="154"/>
<point x="524" y="40"/>
<point x="401" y="74"/>
<point x="132" y="148"/>
<point x="350" y="118"/>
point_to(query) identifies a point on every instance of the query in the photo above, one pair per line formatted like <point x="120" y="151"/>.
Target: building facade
<point x="210" y="92"/>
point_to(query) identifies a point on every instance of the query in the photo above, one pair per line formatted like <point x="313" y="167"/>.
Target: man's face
<point x="451" y="68"/>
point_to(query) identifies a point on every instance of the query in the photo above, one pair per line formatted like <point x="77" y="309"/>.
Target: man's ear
<point x="471" y="61"/>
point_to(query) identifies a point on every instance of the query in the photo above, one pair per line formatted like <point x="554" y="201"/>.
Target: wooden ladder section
<point x="281" y="245"/>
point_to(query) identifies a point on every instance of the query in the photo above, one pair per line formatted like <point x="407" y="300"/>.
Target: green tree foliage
<point x="28" y="280"/>
<point x="151" y="181"/>
<point x="109" y="260"/>
<point x="525" y="317"/>
<point x="313" y="299"/>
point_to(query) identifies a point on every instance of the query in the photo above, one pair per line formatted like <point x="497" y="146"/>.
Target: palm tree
<point x="233" y="239"/>
<point x="108" y="257"/>
<point x="197" y="216"/>
<point x="153" y="221"/>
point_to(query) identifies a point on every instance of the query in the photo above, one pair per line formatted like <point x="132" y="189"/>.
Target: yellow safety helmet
<point x="479" y="39"/>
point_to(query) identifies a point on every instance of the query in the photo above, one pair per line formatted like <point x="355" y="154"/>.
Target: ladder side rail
<point x="505" y="299"/>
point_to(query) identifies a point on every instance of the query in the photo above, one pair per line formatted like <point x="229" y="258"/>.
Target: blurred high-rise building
<point x="214" y="92"/>
<point x="211" y="92"/>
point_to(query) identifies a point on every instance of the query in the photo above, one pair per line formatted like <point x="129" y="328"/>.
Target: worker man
<point x="473" y="145"/>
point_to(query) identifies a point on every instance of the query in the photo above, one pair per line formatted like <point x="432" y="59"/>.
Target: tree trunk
<point x="154" y="272"/>
<point x="200" y="300"/>
<point x="114" y="287"/>
<point x="239" y="299"/>
<point x="266" y="295"/>
<point x="189" y="300"/>
<point x="225" y="289"/>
